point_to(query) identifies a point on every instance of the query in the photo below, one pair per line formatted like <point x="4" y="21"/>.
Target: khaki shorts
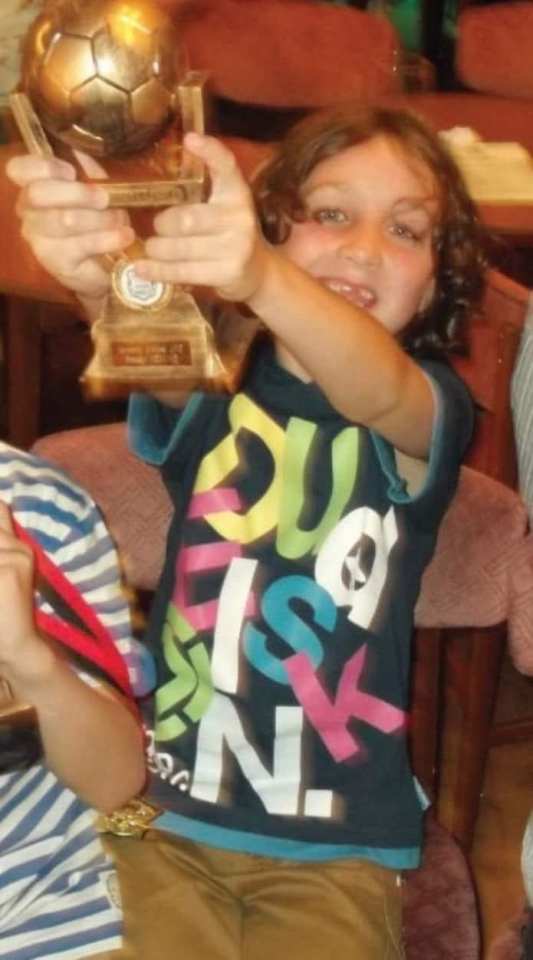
<point x="188" y="901"/>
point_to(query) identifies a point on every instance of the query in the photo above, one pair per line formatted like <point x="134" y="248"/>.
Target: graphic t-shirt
<point x="283" y="620"/>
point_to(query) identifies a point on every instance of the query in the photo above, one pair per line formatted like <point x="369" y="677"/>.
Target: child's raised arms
<point x="319" y="334"/>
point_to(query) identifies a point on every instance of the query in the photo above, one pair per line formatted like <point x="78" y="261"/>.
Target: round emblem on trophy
<point x="136" y="292"/>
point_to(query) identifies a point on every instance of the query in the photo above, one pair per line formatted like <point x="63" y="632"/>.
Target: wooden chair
<point x="493" y="49"/>
<point x="471" y="659"/>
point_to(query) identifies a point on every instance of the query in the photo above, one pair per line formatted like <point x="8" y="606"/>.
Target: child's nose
<point x="362" y="242"/>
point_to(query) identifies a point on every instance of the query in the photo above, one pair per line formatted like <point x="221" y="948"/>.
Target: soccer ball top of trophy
<point x="102" y="75"/>
<point x="109" y="77"/>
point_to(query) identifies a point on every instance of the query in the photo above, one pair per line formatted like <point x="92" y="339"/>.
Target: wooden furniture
<point x="473" y="657"/>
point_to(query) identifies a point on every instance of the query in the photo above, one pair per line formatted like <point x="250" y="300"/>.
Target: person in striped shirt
<point x="58" y="888"/>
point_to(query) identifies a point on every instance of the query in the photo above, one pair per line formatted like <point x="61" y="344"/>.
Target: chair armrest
<point x="482" y="570"/>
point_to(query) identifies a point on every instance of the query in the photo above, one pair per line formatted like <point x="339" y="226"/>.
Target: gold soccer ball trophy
<point x="109" y="77"/>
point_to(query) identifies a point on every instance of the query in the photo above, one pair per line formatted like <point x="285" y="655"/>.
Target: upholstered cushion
<point x="290" y="54"/>
<point x="482" y="570"/>
<point x="130" y="494"/>
<point x="440" y="914"/>
<point x="494" y="44"/>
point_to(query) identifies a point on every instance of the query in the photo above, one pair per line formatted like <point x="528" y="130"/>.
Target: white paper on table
<point x="494" y="172"/>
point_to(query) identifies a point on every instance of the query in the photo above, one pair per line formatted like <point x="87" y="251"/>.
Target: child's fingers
<point x="58" y="223"/>
<point x="88" y="245"/>
<point x="47" y="194"/>
<point x="184" y="250"/>
<point x="6" y="523"/>
<point x="69" y="259"/>
<point x="12" y="550"/>
<point x="204" y="273"/>
<point x="192" y="220"/>
<point x="228" y="183"/>
<point x="90" y="165"/>
<point x="27" y="168"/>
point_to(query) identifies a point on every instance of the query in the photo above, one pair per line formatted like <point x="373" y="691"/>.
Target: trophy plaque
<point x="108" y="77"/>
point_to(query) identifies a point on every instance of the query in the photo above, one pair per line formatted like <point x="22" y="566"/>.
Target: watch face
<point x="138" y="293"/>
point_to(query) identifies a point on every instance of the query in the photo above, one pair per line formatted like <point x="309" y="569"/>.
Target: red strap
<point x="95" y="643"/>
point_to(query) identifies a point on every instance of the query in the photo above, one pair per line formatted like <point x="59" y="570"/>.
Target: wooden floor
<point x="505" y="808"/>
<point x="506" y="804"/>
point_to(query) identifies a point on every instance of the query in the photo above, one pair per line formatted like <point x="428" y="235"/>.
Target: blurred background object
<point x="15" y="18"/>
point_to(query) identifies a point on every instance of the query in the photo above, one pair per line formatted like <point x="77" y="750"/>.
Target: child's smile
<point x="360" y="294"/>
<point x="368" y="236"/>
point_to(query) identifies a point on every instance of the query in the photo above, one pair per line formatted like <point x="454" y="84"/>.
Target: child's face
<point x="371" y="212"/>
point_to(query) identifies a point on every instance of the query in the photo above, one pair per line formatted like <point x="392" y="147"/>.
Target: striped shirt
<point x="58" y="889"/>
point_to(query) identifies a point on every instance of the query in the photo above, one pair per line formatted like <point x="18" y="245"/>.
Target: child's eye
<point x="406" y="232"/>
<point x="329" y="215"/>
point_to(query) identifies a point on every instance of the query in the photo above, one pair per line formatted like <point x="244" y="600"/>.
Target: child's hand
<point x="66" y="222"/>
<point x="215" y="244"/>
<point x="20" y="645"/>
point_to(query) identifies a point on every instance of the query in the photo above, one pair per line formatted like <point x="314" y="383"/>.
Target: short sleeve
<point x="155" y="431"/>
<point x="452" y="432"/>
<point x="453" y="426"/>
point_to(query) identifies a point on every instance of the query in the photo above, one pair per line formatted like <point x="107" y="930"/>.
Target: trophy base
<point x="97" y="386"/>
<point x="170" y="348"/>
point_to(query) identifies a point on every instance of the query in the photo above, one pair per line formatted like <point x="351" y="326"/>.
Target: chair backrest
<point x="300" y="54"/>
<point x="493" y="50"/>
<point x="495" y="335"/>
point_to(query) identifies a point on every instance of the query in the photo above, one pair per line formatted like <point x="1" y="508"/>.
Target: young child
<point x="58" y="888"/>
<point x="306" y="508"/>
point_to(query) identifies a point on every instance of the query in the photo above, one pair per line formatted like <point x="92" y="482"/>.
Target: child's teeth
<point x="361" y="295"/>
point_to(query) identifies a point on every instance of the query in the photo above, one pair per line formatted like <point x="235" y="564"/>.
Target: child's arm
<point x="67" y="225"/>
<point x="91" y="740"/>
<point x="359" y="365"/>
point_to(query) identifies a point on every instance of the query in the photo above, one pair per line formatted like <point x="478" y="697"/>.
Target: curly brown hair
<point x="458" y="238"/>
